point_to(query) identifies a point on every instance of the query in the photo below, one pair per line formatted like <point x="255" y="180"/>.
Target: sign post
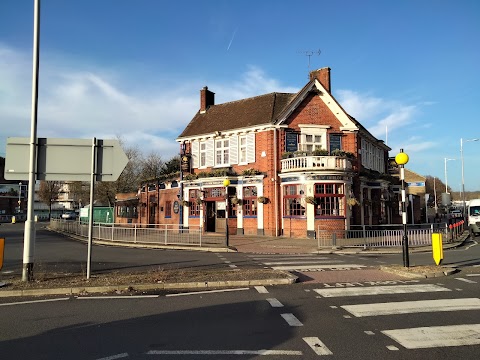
<point x="437" y="248"/>
<point x="61" y="160"/>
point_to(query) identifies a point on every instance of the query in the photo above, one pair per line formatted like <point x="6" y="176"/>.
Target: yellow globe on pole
<point x="401" y="158"/>
<point x="226" y="182"/>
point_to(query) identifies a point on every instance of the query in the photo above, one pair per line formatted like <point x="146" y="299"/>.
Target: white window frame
<point x="222" y="152"/>
<point x="202" y="159"/>
<point x="314" y="131"/>
<point x="242" y="149"/>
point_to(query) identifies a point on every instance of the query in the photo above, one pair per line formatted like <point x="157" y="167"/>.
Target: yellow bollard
<point x="13" y="220"/>
<point x="437" y="248"/>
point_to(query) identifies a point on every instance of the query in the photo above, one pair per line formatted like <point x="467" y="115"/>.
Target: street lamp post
<point x="446" y="181"/>
<point x="226" y="183"/>
<point x="401" y="159"/>
<point x="463" y="179"/>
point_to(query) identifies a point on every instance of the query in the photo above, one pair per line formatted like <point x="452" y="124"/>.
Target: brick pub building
<point x="296" y="164"/>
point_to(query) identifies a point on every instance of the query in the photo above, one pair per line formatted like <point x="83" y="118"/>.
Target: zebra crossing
<point x="420" y="337"/>
<point x="304" y="263"/>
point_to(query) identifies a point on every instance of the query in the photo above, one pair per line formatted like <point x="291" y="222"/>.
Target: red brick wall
<point x="293" y="227"/>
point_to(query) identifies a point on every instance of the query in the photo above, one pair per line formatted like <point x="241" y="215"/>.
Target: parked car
<point x="69" y="215"/>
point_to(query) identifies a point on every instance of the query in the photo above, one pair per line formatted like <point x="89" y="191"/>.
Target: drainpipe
<point x="275" y="161"/>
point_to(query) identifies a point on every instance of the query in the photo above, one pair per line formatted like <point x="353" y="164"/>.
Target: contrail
<point x="228" y="48"/>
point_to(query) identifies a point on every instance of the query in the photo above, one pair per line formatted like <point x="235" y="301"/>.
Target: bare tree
<point x="152" y="166"/>
<point x="48" y="193"/>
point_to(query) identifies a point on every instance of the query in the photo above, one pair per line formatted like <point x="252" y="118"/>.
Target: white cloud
<point x="83" y="101"/>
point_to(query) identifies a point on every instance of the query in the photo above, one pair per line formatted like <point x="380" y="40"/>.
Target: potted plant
<point x="287" y="154"/>
<point x="320" y="152"/>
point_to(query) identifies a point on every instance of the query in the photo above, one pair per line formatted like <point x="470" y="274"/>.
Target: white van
<point x="474" y="216"/>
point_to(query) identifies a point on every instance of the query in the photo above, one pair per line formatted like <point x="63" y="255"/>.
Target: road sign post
<point x="61" y="160"/>
<point x="437" y="248"/>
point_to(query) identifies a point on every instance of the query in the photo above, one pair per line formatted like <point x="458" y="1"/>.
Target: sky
<point x="407" y="70"/>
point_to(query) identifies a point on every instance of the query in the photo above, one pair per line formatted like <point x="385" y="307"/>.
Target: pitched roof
<point x="239" y="114"/>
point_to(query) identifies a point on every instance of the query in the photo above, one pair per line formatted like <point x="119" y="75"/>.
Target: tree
<point x="152" y="167"/>
<point x="172" y="166"/>
<point x="80" y="191"/>
<point x="48" y="192"/>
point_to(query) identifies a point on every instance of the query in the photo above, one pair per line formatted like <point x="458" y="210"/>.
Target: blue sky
<point x="133" y="69"/>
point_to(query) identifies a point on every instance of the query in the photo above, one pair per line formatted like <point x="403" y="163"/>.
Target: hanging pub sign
<point x="392" y="166"/>
<point x="185" y="163"/>
<point x="291" y="142"/>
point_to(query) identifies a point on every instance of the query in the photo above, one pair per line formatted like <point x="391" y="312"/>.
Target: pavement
<point x="258" y="245"/>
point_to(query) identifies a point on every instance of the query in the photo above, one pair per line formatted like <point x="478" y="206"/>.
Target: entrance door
<point x="221" y="222"/>
<point x="210" y="216"/>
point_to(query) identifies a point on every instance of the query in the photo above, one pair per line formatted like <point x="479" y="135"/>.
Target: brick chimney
<point x="323" y="76"/>
<point x="207" y="98"/>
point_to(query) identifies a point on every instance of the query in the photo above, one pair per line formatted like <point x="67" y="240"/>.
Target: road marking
<point x="347" y="316"/>
<point x="113" y="357"/>
<point x="227" y="262"/>
<point x="291" y="319"/>
<point x="379" y="290"/>
<point x="207" y="292"/>
<point x="274" y="302"/>
<point x="317" y="345"/>
<point x="233" y="266"/>
<point x="391" y="347"/>
<point x="300" y="262"/>
<point x="226" y="352"/>
<point x="34" y="301"/>
<point x="466" y="280"/>
<point x="473" y="274"/>
<point x="115" y="297"/>
<point x="436" y="336"/>
<point x="290" y="257"/>
<point x="261" y="289"/>
<point x="368" y="332"/>
<point x="332" y="266"/>
<point x="410" y="307"/>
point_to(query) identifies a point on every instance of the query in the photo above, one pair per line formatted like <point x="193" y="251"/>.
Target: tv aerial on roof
<point x="309" y="54"/>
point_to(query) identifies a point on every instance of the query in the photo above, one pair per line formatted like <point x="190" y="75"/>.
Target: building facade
<point x="283" y="164"/>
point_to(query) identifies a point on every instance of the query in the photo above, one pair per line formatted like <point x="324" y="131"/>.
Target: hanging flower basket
<point x="236" y="201"/>
<point x="310" y="200"/>
<point x="367" y="202"/>
<point x="199" y="201"/>
<point x="262" y="199"/>
<point x="352" y="201"/>
<point x="185" y="203"/>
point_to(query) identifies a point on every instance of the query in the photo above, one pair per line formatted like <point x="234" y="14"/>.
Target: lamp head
<point x="226" y="182"/>
<point x="401" y="158"/>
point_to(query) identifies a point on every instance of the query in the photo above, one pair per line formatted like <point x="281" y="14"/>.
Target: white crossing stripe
<point x="315" y="266"/>
<point x="379" y="290"/>
<point x="317" y="345"/>
<point x="114" y="357"/>
<point x="466" y="280"/>
<point x="436" y="336"/>
<point x="409" y="307"/>
<point x="261" y="289"/>
<point x="226" y="352"/>
<point x="291" y="320"/>
<point x="473" y="274"/>
<point x="300" y="262"/>
<point x="274" y="302"/>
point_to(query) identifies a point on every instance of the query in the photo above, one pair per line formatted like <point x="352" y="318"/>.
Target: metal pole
<point x="29" y="234"/>
<point x="446" y="181"/>
<point x="463" y="179"/>
<point x="226" y="217"/>
<point x="90" y="215"/>
<point x="435" y="196"/>
<point x="406" y="262"/>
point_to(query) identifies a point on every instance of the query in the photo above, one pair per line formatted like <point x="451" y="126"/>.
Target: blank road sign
<point x="65" y="159"/>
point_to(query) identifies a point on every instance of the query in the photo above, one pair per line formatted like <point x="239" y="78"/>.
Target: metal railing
<point x="303" y="163"/>
<point x="151" y="234"/>
<point x="387" y="236"/>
